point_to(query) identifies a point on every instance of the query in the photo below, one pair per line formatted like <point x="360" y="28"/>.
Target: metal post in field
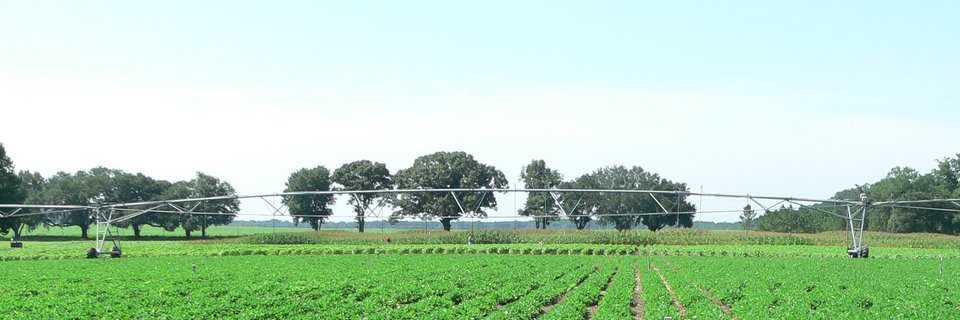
<point x="941" y="265"/>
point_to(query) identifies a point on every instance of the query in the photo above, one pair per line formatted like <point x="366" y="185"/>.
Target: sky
<point x="795" y="99"/>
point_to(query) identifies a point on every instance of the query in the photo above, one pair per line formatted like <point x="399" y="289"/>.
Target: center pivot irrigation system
<point x="854" y="212"/>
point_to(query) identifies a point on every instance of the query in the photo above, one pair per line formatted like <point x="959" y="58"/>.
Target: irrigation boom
<point x="110" y="214"/>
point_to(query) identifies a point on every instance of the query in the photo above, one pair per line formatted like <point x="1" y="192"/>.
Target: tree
<point x="224" y="209"/>
<point x="946" y="178"/>
<point x="208" y="212"/>
<point x="139" y="188"/>
<point x="72" y="189"/>
<point x="363" y="175"/>
<point x="909" y="184"/>
<point x="581" y="207"/>
<point x="541" y="205"/>
<point x="747" y="218"/>
<point x="803" y="220"/>
<point x="11" y="192"/>
<point x="181" y="190"/>
<point x="947" y="173"/>
<point x="110" y="186"/>
<point x="443" y="170"/>
<point x="852" y="194"/>
<point x="681" y="210"/>
<point x="32" y="185"/>
<point x="618" y="209"/>
<point x="312" y="208"/>
<point x="10" y="189"/>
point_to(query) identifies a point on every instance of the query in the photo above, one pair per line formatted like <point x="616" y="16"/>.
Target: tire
<point x="115" y="253"/>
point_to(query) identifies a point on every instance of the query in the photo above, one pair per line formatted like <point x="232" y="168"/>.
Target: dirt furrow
<point x="546" y="308"/>
<point x="531" y="288"/>
<point x="673" y="295"/>
<point x="592" y="309"/>
<point x="716" y="302"/>
<point x="706" y="292"/>
<point x="637" y="305"/>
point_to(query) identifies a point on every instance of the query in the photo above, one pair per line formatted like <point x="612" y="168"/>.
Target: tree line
<point x="445" y="170"/>
<point x="439" y="170"/>
<point x="459" y="170"/>
<point x="900" y="184"/>
<point x="100" y="186"/>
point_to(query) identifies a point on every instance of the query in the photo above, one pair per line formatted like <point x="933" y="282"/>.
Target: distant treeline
<point x="901" y="183"/>
<point x="101" y="186"/>
<point x="87" y="191"/>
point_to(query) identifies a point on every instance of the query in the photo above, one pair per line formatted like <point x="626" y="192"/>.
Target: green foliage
<point x="477" y="237"/>
<point x="541" y="205"/>
<point x="80" y="188"/>
<point x="657" y="300"/>
<point x="618" y="209"/>
<point x="575" y="302"/>
<point x="618" y="300"/>
<point x="448" y="170"/>
<point x="363" y="175"/>
<point x="748" y="218"/>
<point x="908" y="184"/>
<point x="816" y="288"/>
<point x="665" y="237"/>
<point x="581" y="207"/>
<point x="208" y="213"/>
<point x="10" y="189"/>
<point x="697" y="304"/>
<point x="151" y="233"/>
<point x="128" y="188"/>
<point x="900" y="184"/>
<point x="529" y="306"/>
<point x="31" y="188"/>
<point x="101" y="185"/>
<point x="132" y="249"/>
<point x="367" y="283"/>
<point x="97" y="186"/>
<point x="11" y="192"/>
<point x="283" y="238"/>
<point x="311" y="208"/>
<point x="803" y="220"/>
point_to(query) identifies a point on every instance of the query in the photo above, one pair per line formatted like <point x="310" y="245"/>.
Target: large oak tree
<point x="447" y="170"/>
<point x="625" y="210"/>
<point x="363" y="175"/>
<point x="311" y="208"/>
<point x="208" y="212"/>
<point x="11" y="192"/>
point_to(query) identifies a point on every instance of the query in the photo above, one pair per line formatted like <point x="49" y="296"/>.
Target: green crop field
<point x="480" y="286"/>
<point x="339" y="274"/>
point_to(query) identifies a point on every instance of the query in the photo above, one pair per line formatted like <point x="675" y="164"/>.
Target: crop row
<point x="574" y="304"/>
<point x="618" y="299"/>
<point x="530" y="305"/>
<point x="503" y="293"/>
<point x="695" y="300"/>
<point x="77" y="250"/>
<point x="324" y="287"/>
<point x="827" y="288"/>
<point x="668" y="236"/>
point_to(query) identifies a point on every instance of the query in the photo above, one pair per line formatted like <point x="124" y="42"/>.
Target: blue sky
<point x="759" y="97"/>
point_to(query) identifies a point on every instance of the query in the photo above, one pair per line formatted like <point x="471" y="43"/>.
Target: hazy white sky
<point x="746" y="97"/>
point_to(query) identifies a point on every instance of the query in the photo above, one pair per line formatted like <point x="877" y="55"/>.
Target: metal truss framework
<point x="111" y="214"/>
